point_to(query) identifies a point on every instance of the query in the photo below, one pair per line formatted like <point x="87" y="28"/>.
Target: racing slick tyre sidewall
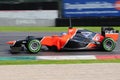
<point x="108" y="44"/>
<point x="34" y="46"/>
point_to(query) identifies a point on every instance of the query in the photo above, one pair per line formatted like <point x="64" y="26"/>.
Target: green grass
<point x="31" y="29"/>
<point x="26" y="62"/>
<point x="42" y="29"/>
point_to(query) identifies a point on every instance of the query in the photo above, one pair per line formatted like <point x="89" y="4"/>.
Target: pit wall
<point x="28" y="18"/>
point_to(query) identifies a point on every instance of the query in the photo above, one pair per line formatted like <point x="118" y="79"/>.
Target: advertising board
<point x="90" y="8"/>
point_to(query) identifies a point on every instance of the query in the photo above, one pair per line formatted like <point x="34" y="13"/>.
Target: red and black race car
<point x="74" y="39"/>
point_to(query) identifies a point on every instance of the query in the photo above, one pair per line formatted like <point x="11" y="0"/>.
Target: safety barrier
<point x="88" y="21"/>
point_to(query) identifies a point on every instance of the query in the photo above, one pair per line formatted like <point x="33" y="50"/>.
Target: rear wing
<point x="110" y="32"/>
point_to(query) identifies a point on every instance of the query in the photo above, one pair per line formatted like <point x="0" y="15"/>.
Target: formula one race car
<point x="74" y="39"/>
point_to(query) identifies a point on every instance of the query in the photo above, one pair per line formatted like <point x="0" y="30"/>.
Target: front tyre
<point x="108" y="44"/>
<point x="34" y="46"/>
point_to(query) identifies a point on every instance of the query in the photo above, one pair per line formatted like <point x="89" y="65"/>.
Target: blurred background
<point x="59" y="12"/>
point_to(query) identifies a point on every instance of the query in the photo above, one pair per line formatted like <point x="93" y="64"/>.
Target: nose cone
<point x="11" y="42"/>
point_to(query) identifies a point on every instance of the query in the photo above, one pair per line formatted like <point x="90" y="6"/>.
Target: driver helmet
<point x="63" y="33"/>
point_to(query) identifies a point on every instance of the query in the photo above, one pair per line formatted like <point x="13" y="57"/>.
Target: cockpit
<point x="84" y="35"/>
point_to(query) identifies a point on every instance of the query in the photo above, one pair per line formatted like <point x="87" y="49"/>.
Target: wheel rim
<point x="109" y="44"/>
<point x="34" y="46"/>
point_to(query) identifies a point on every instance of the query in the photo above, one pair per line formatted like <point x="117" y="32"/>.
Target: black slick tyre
<point x="108" y="44"/>
<point x="33" y="46"/>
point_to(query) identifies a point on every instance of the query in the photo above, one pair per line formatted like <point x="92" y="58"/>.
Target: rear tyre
<point x="108" y="44"/>
<point x="33" y="46"/>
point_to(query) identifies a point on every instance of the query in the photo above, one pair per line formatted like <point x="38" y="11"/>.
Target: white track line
<point x="67" y="57"/>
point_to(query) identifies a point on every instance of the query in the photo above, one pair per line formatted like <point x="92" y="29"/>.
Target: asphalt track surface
<point x="7" y="36"/>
